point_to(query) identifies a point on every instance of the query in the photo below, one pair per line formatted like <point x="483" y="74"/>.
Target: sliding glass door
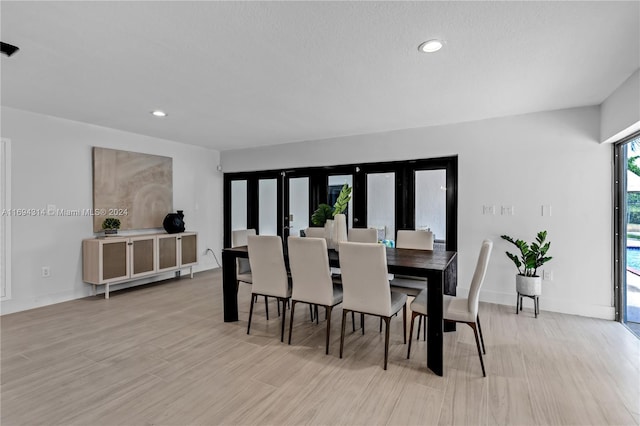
<point x="414" y="194"/>
<point x="627" y="230"/>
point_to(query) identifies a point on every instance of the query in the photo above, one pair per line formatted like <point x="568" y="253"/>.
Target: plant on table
<point x="325" y="212"/>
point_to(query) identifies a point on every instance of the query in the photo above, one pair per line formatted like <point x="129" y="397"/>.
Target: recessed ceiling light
<point x="159" y="113"/>
<point x="430" y="46"/>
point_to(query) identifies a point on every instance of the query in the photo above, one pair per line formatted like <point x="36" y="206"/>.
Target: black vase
<point x="174" y="223"/>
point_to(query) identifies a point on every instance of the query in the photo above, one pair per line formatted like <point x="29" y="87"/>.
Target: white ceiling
<point x="242" y="74"/>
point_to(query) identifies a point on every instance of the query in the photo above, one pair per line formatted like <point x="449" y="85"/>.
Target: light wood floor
<point x="161" y="355"/>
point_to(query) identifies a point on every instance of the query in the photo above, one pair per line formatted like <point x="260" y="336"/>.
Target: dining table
<point x="438" y="267"/>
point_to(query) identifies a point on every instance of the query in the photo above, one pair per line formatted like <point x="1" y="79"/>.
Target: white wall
<point x="551" y="158"/>
<point x="621" y="111"/>
<point x="51" y="164"/>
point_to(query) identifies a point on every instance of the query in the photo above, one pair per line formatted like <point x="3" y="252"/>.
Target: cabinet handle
<point x="129" y="244"/>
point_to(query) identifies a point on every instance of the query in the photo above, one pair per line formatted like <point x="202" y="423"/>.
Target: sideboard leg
<point x="106" y="291"/>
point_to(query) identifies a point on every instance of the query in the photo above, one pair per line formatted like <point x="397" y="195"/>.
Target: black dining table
<point x="439" y="267"/>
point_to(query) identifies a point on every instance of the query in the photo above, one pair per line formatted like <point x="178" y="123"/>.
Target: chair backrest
<point x="267" y="265"/>
<point x="363" y="235"/>
<point x="478" y="276"/>
<point x="238" y="239"/>
<point x="310" y="272"/>
<point x="365" y="284"/>
<point x="417" y="240"/>
<point x="314" y="232"/>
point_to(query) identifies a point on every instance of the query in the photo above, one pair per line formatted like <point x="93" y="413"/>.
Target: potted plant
<point x="111" y="225"/>
<point x="325" y="216"/>
<point x="532" y="256"/>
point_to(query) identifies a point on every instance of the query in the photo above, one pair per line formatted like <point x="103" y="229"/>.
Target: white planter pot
<point x="339" y="230"/>
<point x="328" y="233"/>
<point x="529" y="286"/>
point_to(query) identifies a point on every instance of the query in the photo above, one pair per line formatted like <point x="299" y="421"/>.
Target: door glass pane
<point x="298" y="205"/>
<point x="431" y="203"/>
<point x="632" y="274"/>
<point x="268" y="206"/>
<point x="238" y="204"/>
<point x="335" y="185"/>
<point x="381" y="197"/>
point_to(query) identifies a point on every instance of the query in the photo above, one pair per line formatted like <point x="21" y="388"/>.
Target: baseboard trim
<point x="548" y="304"/>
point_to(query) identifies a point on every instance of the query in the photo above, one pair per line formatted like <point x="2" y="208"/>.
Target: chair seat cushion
<point x="457" y="309"/>
<point x="419" y="304"/>
<point x="407" y="286"/>
<point x="398" y="300"/>
<point x="337" y="294"/>
<point x="245" y="278"/>
<point x="453" y="308"/>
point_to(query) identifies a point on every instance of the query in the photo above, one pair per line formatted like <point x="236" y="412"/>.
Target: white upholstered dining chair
<point x="363" y="235"/>
<point x="458" y="309"/>
<point x="269" y="273"/>
<point x="365" y="287"/>
<point x="409" y="285"/>
<point x="311" y="278"/>
<point x="314" y="232"/>
<point x="243" y="267"/>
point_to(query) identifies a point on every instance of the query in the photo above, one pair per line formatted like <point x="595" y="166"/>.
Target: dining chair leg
<point x="266" y="307"/>
<point x="413" y="317"/>
<point x="362" y="323"/>
<point x="250" y="314"/>
<point x="344" y="316"/>
<point x="328" y="313"/>
<point x="475" y="333"/>
<point x="419" y="326"/>
<point x="424" y="327"/>
<point x="404" y="323"/>
<point x="386" y="340"/>
<point x="284" y="315"/>
<point x="480" y="331"/>
<point x="353" y="321"/>
<point x="380" y="324"/>
<point x="293" y="308"/>
<point x="317" y="320"/>
<point x="310" y="312"/>
<point x="517" y="303"/>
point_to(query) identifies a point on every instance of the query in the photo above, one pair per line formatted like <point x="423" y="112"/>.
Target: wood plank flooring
<point x="162" y="355"/>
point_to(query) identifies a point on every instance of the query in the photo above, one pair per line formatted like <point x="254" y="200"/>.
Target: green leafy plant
<point x="325" y="211"/>
<point x="322" y="213"/>
<point x="111" y="223"/>
<point x="343" y="200"/>
<point x="531" y="256"/>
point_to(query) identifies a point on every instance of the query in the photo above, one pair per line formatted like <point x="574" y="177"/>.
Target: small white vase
<point x="529" y="286"/>
<point x="339" y="230"/>
<point x="328" y="233"/>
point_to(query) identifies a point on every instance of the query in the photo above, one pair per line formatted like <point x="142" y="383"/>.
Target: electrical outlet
<point x="490" y="210"/>
<point x="547" y="275"/>
<point x="46" y="272"/>
<point x="507" y="210"/>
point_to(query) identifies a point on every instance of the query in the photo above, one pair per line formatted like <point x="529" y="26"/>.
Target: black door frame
<point x="318" y="184"/>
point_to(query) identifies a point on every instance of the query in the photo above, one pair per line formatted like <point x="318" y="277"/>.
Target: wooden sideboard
<point x="120" y="259"/>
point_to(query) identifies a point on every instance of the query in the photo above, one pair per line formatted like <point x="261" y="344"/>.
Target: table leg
<point x="229" y="287"/>
<point x="435" y="323"/>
